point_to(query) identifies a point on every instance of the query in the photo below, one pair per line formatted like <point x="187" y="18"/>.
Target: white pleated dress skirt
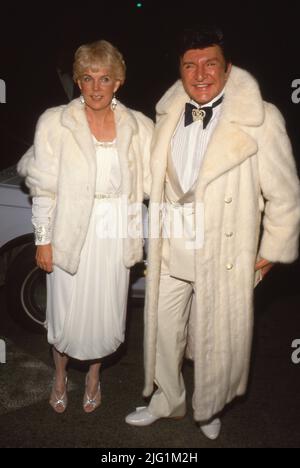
<point x="86" y="312"/>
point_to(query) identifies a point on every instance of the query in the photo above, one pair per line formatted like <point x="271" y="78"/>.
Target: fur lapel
<point x="126" y="127"/>
<point x="74" y="118"/>
<point x="228" y="147"/>
<point x="164" y="129"/>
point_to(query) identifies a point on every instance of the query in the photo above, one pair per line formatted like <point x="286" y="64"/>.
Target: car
<point x="24" y="282"/>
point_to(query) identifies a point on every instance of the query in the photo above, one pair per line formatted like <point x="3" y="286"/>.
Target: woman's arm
<point x="39" y="165"/>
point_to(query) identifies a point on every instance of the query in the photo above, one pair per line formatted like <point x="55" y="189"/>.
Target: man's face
<point x="203" y="73"/>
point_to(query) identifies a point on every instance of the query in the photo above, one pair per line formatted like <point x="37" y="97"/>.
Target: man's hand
<point x="263" y="265"/>
<point x="44" y="257"/>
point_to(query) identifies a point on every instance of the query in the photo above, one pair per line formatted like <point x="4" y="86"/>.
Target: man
<point x="219" y="150"/>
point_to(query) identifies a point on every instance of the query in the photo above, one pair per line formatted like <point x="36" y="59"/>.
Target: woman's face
<point x="98" y="88"/>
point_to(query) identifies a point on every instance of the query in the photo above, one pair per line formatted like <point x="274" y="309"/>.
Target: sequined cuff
<point x="42" y="234"/>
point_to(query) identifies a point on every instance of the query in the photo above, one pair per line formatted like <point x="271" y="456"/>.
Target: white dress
<point x="86" y="312"/>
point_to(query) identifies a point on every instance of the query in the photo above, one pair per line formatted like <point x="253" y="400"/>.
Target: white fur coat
<point x="248" y="170"/>
<point x="62" y="164"/>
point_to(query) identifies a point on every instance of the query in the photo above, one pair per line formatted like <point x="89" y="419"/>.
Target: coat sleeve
<point x="39" y="165"/>
<point x="145" y="126"/>
<point x="280" y="188"/>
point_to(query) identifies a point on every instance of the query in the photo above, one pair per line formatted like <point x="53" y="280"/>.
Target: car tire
<point x="26" y="291"/>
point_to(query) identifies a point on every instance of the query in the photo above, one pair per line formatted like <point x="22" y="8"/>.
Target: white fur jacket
<point x="62" y="165"/>
<point x="248" y="171"/>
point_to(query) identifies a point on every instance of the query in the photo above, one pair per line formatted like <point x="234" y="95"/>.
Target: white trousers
<point x="174" y="305"/>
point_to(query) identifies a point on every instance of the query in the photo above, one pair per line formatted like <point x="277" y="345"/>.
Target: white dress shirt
<point x="189" y="145"/>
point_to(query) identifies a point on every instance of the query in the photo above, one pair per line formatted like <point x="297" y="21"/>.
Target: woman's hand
<point x="264" y="265"/>
<point x="44" y="257"/>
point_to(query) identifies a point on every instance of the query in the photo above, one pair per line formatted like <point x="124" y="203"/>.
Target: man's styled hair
<point x="202" y="36"/>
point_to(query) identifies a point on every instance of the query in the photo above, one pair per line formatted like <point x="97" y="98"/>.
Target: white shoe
<point x="141" y="417"/>
<point x="211" y="430"/>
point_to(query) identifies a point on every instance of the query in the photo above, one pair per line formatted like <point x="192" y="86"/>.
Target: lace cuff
<point x="42" y="214"/>
<point x="42" y="234"/>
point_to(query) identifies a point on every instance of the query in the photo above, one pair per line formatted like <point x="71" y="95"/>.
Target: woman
<point x="86" y="171"/>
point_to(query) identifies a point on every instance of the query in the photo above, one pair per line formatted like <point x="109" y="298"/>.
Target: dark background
<point x="36" y="38"/>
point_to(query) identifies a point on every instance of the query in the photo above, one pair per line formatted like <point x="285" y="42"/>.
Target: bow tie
<point x="193" y="113"/>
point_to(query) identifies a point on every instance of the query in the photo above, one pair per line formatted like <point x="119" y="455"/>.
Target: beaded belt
<point x="99" y="196"/>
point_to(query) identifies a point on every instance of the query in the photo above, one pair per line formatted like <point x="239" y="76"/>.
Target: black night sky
<point x="35" y="40"/>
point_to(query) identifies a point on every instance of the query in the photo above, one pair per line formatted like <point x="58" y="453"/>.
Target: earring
<point x="81" y="99"/>
<point x="113" y="103"/>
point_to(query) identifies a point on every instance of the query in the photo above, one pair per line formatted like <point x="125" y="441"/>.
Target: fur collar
<point x="242" y="103"/>
<point x="73" y="116"/>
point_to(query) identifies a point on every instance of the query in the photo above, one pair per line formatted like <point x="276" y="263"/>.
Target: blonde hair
<point x="97" y="55"/>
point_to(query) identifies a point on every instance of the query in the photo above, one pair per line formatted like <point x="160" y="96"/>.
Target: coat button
<point x="228" y="200"/>
<point x="228" y="234"/>
<point x="229" y="266"/>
